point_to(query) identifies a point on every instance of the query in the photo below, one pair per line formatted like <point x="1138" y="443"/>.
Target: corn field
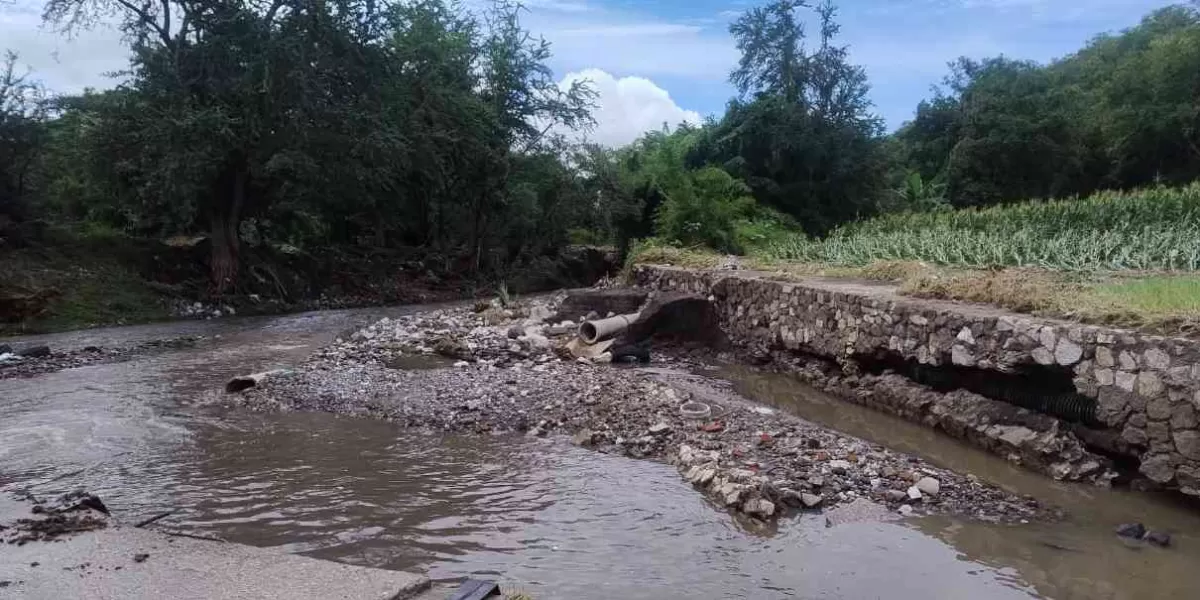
<point x="1151" y="229"/>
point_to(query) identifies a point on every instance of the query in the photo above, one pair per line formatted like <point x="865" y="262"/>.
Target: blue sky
<point x="668" y="60"/>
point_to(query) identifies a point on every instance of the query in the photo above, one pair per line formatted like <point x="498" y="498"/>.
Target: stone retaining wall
<point x="1147" y="388"/>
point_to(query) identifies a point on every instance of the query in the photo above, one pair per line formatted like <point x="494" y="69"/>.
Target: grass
<point x="89" y="285"/>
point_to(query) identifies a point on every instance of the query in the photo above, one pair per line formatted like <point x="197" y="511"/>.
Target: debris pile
<point x="498" y="368"/>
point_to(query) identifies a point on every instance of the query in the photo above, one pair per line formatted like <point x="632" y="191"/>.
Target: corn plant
<point x="1157" y="228"/>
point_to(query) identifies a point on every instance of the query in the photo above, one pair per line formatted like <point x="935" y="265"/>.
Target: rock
<point x="965" y="336"/>
<point x="759" y="507"/>
<point x="1187" y="443"/>
<point x="905" y="510"/>
<point x="810" y="500"/>
<point x="515" y="332"/>
<point x="1161" y="539"/>
<point x="816" y="481"/>
<point x="539" y="313"/>
<point x="40" y="351"/>
<point x="914" y="493"/>
<point x="929" y="486"/>
<point x="1131" y="530"/>
<point x="1067" y="352"/>
<point x="140" y="558"/>
<point x="584" y="437"/>
<point x="1149" y="384"/>
<point x="962" y="357"/>
<point x="659" y="428"/>
<point x="5" y="349"/>
<point x="537" y="341"/>
<point x="1156" y="359"/>
<point x="839" y="467"/>
<point x="895" y="495"/>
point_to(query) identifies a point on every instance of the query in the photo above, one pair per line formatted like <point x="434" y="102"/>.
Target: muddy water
<point x="1078" y="558"/>
<point x="557" y="520"/>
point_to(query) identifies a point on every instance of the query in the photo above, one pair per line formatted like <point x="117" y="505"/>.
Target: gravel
<point x="514" y="376"/>
<point x="14" y="365"/>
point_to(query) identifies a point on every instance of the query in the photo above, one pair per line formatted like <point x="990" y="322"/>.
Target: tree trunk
<point x="225" y="219"/>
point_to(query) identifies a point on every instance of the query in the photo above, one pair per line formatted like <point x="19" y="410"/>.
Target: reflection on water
<point x="1078" y="558"/>
<point x="557" y="520"/>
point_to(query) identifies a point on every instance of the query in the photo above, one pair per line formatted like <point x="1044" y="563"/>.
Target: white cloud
<point x="559" y="5"/>
<point x="628" y="107"/>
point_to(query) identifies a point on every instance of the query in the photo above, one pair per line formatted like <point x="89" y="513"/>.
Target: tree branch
<point x="148" y="19"/>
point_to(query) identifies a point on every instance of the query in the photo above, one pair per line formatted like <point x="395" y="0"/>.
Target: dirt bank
<point x="62" y="281"/>
<point x="502" y="370"/>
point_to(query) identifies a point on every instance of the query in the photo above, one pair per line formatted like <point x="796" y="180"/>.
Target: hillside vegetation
<point x="291" y="142"/>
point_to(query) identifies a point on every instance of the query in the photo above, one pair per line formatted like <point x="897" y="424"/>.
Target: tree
<point x="22" y="118"/>
<point x="1122" y="112"/>
<point x="802" y="135"/>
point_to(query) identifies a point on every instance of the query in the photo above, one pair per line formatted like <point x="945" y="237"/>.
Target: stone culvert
<point x="1135" y="395"/>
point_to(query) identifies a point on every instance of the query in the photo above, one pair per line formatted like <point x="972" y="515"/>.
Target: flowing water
<point x="557" y="521"/>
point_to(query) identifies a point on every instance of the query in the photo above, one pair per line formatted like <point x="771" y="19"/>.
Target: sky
<point x="667" y="61"/>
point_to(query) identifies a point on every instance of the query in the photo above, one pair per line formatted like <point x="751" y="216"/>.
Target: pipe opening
<point x="587" y="332"/>
<point x="1048" y="390"/>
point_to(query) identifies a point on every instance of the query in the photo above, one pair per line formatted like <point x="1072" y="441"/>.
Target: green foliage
<point x="302" y="125"/>
<point x="1150" y="229"/>
<point x="22" y="111"/>
<point x="702" y="209"/>
<point x="917" y="194"/>
<point x="1121" y="113"/>
<point x="802" y="136"/>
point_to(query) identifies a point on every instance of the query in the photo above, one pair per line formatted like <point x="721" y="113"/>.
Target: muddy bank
<point x="62" y="283"/>
<point x="503" y="370"/>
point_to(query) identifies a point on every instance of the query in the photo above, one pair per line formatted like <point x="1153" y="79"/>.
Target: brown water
<point x="556" y="520"/>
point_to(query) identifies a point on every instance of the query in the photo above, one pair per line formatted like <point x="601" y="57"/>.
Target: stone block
<point x="1183" y="416"/>
<point x="1104" y="357"/>
<point x="1155" y="358"/>
<point x="1067" y="352"/>
<point x="1149" y="384"/>
<point x="1187" y="443"/>
<point x="1125" y="380"/>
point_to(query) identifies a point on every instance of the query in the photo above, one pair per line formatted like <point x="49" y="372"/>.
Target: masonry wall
<point x="1147" y="388"/>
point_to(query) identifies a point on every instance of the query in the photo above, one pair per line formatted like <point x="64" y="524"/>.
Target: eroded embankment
<point x="504" y="370"/>
<point x="1077" y="402"/>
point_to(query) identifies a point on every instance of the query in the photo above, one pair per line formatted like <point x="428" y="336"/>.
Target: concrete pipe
<point x="602" y="329"/>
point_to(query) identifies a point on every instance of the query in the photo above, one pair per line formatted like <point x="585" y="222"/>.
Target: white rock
<point x="905" y="510"/>
<point x="810" y="500"/>
<point x="914" y="493"/>
<point x="659" y="427"/>
<point x="965" y="336"/>
<point x="929" y="486"/>
<point x="839" y="466"/>
<point x="460" y="364"/>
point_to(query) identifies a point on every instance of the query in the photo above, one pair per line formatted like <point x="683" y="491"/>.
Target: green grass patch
<point x="84" y="284"/>
<point x="1151" y="297"/>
